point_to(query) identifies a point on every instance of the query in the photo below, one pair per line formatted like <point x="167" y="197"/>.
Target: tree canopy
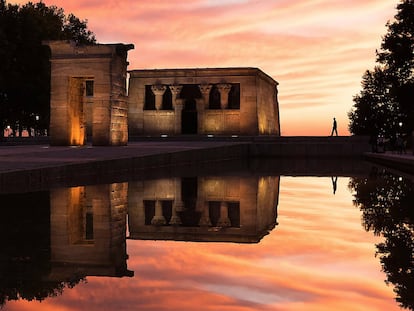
<point x="385" y="104"/>
<point x="25" y="69"/>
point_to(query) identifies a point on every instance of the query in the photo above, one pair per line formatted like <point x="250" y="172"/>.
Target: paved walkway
<point x="36" y="167"/>
<point x="28" y="157"/>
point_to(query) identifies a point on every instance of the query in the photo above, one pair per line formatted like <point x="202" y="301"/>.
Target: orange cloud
<point x="316" y="50"/>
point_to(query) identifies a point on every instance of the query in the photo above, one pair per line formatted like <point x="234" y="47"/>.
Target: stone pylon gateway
<point x="88" y="93"/>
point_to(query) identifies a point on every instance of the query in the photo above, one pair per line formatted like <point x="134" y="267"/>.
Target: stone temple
<point x="207" y="101"/>
<point x="90" y="100"/>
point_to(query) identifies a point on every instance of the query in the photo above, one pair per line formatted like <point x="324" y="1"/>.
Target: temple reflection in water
<point x="210" y="208"/>
<point x="88" y="233"/>
<point x="88" y="224"/>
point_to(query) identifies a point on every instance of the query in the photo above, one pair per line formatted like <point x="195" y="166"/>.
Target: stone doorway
<point x="189" y="117"/>
<point x="80" y="109"/>
<point x="75" y="112"/>
<point x="189" y="216"/>
<point x="189" y="122"/>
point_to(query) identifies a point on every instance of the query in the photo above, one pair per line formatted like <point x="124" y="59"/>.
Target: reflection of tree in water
<point x="25" y="249"/>
<point x="31" y="285"/>
<point x="386" y="201"/>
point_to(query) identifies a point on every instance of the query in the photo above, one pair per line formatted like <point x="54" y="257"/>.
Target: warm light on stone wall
<point x="76" y="112"/>
<point x="230" y="101"/>
<point x="88" y="93"/>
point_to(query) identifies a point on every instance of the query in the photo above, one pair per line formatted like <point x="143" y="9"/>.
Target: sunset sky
<point x="317" y="50"/>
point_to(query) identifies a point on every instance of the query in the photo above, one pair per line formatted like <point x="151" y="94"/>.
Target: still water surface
<point x="246" y="241"/>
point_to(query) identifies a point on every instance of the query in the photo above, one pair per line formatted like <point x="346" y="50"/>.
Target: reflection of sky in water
<point x="318" y="258"/>
<point x="247" y="294"/>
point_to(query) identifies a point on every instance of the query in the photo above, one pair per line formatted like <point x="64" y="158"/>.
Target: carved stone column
<point x="202" y="105"/>
<point x="205" y="92"/>
<point x="158" y="219"/>
<point x="175" y="219"/>
<point x="139" y="209"/>
<point x="175" y="91"/>
<point x="200" y="115"/>
<point x="224" y="220"/>
<point x="178" y="201"/>
<point x="178" y="107"/>
<point x="205" y="220"/>
<point x="224" y="89"/>
<point x="158" y="91"/>
<point x="178" y="205"/>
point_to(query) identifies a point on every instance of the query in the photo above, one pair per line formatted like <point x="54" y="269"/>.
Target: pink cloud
<point x="317" y="50"/>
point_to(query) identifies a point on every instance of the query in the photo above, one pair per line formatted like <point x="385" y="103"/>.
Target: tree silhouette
<point x="385" y="100"/>
<point x="25" y="70"/>
<point x="374" y="119"/>
<point x="386" y="200"/>
<point x="25" y="249"/>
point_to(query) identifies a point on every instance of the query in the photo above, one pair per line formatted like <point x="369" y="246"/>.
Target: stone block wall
<point x="267" y="106"/>
<point x="267" y="200"/>
<point x="248" y="105"/>
<point x="159" y="122"/>
<point x="119" y="101"/>
<point x="222" y="122"/>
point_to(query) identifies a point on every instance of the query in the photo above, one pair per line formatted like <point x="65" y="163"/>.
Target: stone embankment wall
<point x="310" y="146"/>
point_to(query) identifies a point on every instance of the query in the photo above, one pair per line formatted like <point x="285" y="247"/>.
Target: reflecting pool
<point x="255" y="238"/>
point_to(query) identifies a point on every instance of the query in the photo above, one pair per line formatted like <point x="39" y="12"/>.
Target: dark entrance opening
<point x="189" y="121"/>
<point x="190" y="217"/>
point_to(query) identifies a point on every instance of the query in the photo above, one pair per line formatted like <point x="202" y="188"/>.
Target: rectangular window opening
<point x="234" y="96"/>
<point x="89" y="226"/>
<point x="149" y="103"/>
<point x="89" y="88"/>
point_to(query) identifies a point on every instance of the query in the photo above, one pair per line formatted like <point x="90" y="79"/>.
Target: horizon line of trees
<point x="385" y="105"/>
<point x="25" y="65"/>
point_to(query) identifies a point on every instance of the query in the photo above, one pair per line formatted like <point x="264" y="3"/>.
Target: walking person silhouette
<point x="334" y="183"/>
<point x="334" y="128"/>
